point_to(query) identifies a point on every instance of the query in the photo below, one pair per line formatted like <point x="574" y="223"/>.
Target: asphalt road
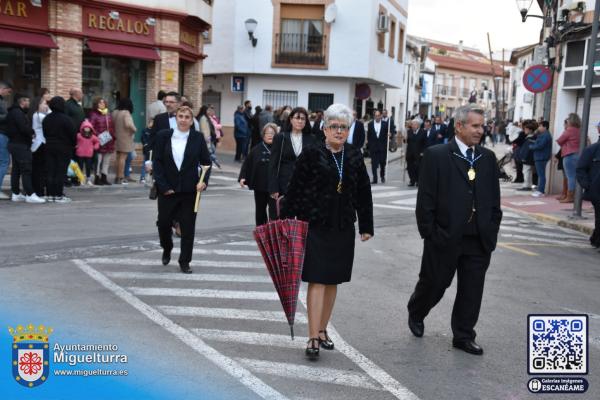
<point x="92" y="269"/>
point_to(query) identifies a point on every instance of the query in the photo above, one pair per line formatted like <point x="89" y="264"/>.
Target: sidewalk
<point x="545" y="209"/>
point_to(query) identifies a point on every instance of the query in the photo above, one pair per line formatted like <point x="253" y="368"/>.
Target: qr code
<point x="557" y="344"/>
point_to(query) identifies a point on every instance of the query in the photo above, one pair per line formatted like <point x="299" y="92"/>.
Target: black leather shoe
<point x="468" y="346"/>
<point x="166" y="257"/>
<point x="185" y="268"/>
<point x="416" y="327"/>
<point x="374" y="181"/>
<point x="411" y="184"/>
<point x="326" y="343"/>
<point x="382" y="179"/>
<point x="312" y="351"/>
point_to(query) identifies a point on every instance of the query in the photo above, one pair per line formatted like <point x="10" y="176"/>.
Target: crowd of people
<point x="55" y="142"/>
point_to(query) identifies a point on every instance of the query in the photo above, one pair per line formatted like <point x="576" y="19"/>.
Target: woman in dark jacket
<point x="287" y="147"/>
<point x="255" y="175"/>
<point x="61" y="138"/>
<point x="329" y="188"/>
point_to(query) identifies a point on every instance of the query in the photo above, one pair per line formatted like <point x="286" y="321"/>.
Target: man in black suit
<point x="179" y="153"/>
<point x="165" y="120"/>
<point x="356" y="136"/>
<point x="441" y="130"/>
<point x="415" y="146"/>
<point x="458" y="216"/>
<point x="390" y="122"/>
<point x="377" y="137"/>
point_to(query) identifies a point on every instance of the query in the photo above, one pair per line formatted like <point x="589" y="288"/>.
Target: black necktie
<point x="470" y="154"/>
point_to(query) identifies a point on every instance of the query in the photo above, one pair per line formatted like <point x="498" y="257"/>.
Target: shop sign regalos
<point x="109" y="24"/>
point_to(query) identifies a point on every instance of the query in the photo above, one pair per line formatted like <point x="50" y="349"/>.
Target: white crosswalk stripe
<point x="252" y="338"/>
<point x="194" y="263"/>
<point x="208" y="293"/>
<point x="314" y="374"/>
<point x="176" y="276"/>
<point x="230" y="313"/>
<point x="219" y="252"/>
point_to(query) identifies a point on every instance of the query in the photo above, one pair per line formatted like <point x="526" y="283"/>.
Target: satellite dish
<point x="330" y="13"/>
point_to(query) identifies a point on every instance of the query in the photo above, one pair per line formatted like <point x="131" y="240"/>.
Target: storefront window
<point x="22" y="68"/>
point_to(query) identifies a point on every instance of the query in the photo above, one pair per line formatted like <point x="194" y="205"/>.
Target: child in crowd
<point x="87" y="143"/>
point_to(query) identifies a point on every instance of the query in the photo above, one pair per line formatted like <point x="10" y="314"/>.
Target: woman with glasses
<point x="286" y="148"/>
<point x="329" y="189"/>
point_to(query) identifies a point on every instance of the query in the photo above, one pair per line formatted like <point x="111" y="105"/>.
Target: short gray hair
<point x="338" y="112"/>
<point x="416" y="121"/>
<point x="462" y="113"/>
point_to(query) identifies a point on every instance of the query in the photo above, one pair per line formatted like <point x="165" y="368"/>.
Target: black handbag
<point x="153" y="195"/>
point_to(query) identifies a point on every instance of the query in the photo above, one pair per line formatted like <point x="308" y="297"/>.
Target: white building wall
<point x="197" y="8"/>
<point x="352" y="44"/>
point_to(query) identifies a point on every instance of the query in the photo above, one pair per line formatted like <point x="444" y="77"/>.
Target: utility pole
<point x="493" y="76"/>
<point x="589" y="79"/>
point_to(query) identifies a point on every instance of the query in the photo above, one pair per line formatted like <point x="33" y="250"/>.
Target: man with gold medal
<point x="458" y="216"/>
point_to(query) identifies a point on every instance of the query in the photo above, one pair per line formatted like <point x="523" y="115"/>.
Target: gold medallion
<point x="471" y="174"/>
<point x="339" y="187"/>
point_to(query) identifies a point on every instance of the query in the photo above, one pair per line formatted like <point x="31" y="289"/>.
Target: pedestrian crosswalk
<point x="229" y="312"/>
<point x="516" y="229"/>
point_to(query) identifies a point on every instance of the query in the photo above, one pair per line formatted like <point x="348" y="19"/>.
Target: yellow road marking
<point x="517" y="249"/>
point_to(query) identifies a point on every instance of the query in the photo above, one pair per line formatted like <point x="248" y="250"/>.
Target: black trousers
<point x="437" y="271"/>
<point x="22" y="161"/>
<point x="180" y="207"/>
<point x="412" y="166"/>
<point x="595" y="238"/>
<point x="39" y="174"/>
<point x="519" y="168"/>
<point x="265" y="205"/>
<point x="378" y="160"/>
<point x="88" y="163"/>
<point x="241" y="148"/>
<point x="57" y="162"/>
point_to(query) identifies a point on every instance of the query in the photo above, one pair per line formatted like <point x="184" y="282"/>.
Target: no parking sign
<point x="537" y="78"/>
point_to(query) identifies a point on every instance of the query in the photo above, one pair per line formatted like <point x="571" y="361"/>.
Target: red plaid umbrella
<point x="282" y="244"/>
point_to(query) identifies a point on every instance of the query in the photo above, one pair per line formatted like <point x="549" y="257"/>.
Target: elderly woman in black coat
<point x="255" y="175"/>
<point x="329" y="189"/>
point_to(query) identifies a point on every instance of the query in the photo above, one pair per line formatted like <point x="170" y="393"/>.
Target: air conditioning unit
<point x="383" y="23"/>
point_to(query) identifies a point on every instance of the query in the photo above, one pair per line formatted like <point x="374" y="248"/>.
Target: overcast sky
<point x="470" y="20"/>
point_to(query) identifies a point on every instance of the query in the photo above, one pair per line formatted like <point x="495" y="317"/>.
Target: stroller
<point x="505" y="160"/>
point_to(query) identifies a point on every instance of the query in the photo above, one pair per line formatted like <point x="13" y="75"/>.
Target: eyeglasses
<point x="299" y="118"/>
<point x="335" y="127"/>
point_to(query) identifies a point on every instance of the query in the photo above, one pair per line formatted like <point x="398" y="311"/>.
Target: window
<point x="451" y="89"/>
<point x="319" y="101"/>
<point x="381" y="34"/>
<point x="401" y="44"/>
<point x="392" y="46"/>
<point x="301" y="38"/>
<point x="280" y="98"/>
<point x="575" y="54"/>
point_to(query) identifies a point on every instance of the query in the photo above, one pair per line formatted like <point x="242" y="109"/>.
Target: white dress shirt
<point x="178" y="143"/>
<point x="377" y="126"/>
<point x="463" y="147"/>
<point x="172" y="122"/>
<point x="351" y="132"/>
<point x="296" y="143"/>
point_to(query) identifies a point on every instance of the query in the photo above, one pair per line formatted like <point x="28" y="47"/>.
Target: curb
<point x="553" y="220"/>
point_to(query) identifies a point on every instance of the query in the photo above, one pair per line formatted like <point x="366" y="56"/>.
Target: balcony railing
<point x="297" y="48"/>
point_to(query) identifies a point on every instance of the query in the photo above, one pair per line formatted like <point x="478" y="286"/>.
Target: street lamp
<point x="251" y="27"/>
<point x="524" y="6"/>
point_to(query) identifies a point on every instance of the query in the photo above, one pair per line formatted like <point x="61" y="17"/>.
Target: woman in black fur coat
<point x="329" y="188"/>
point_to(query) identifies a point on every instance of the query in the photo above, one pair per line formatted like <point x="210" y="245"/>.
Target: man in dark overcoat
<point x="416" y="139"/>
<point x="458" y="216"/>
<point x="377" y="143"/>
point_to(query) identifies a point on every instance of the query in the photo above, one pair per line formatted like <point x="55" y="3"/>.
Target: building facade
<point x="453" y="75"/>
<point x="111" y="49"/>
<point x="309" y="53"/>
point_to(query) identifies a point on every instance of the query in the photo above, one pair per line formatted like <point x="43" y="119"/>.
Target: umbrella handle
<point x="292" y="331"/>
<point x="278" y="206"/>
